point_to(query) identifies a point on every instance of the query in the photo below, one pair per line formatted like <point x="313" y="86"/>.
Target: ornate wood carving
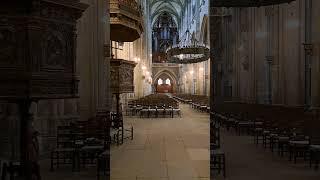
<point x="122" y="76"/>
<point x="37" y="48"/>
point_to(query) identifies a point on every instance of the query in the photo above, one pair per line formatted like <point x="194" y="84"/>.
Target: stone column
<point x="103" y="41"/>
<point x="216" y="54"/>
<point x="215" y="22"/>
<point x="269" y="61"/>
<point x="308" y="51"/>
<point x="269" y="57"/>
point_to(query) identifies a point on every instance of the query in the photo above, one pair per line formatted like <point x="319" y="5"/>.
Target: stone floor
<point x="162" y="149"/>
<point x="246" y="161"/>
<point x="165" y="148"/>
<point x="177" y="149"/>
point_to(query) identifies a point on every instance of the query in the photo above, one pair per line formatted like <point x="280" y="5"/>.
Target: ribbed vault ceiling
<point x="173" y="7"/>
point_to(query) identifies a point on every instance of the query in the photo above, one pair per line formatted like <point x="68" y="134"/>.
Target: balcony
<point x="126" y="20"/>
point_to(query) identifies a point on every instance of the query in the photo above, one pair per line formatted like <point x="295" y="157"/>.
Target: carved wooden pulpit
<point x="37" y="59"/>
<point x="122" y="78"/>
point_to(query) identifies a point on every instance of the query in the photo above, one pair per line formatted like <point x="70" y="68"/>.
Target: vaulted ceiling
<point x="173" y="7"/>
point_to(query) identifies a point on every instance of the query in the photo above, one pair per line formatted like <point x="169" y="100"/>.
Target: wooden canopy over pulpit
<point x="37" y="58"/>
<point x="126" y="20"/>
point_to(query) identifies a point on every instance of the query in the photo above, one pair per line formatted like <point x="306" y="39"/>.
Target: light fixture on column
<point x="201" y="69"/>
<point x="136" y="59"/>
<point x="308" y="47"/>
<point x="143" y="67"/>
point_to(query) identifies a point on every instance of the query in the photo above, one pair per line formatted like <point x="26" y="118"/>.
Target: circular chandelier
<point x="188" y="51"/>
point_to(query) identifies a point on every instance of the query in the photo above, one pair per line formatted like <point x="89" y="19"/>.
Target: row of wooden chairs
<point x="9" y="169"/>
<point x="218" y="157"/>
<point x="88" y="142"/>
<point x="291" y="130"/>
<point x="198" y="102"/>
<point x="155" y="105"/>
<point x="155" y="100"/>
<point x="160" y="112"/>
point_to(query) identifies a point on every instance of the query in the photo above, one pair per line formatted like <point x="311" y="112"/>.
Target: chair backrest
<point x="117" y="121"/>
<point x="65" y="136"/>
<point x="312" y="130"/>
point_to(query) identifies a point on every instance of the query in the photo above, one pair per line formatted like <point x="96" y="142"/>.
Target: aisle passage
<point x="164" y="148"/>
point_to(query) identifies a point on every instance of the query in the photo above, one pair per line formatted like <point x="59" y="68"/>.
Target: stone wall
<point x="264" y="60"/>
<point x="195" y="78"/>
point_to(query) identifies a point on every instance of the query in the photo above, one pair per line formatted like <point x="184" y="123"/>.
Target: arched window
<point x="160" y="81"/>
<point x="168" y="81"/>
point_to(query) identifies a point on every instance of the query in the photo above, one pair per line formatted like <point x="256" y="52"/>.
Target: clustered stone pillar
<point x="308" y="52"/>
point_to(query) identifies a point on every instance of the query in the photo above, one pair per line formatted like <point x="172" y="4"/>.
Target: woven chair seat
<point x="283" y="139"/>
<point x="299" y="143"/>
<point x="315" y="147"/>
<point x="64" y="150"/>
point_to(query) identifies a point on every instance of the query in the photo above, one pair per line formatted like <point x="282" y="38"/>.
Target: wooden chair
<point x="10" y="169"/>
<point x="103" y="165"/>
<point x="123" y="130"/>
<point x="218" y="162"/>
<point x="64" y="152"/>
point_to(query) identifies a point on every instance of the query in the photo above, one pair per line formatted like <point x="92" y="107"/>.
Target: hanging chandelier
<point x="188" y="51"/>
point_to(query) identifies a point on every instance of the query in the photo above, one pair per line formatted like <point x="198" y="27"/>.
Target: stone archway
<point x="165" y="87"/>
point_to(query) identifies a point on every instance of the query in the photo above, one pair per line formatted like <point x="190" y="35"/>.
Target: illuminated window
<point x="160" y="82"/>
<point x="168" y="82"/>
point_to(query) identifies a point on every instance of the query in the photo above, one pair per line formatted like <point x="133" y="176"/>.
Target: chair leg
<point x="311" y="158"/>
<point x="131" y="133"/>
<point x="58" y="157"/>
<point x="224" y="166"/>
<point x="51" y="168"/>
<point x="122" y="135"/>
<point x="4" y="171"/>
